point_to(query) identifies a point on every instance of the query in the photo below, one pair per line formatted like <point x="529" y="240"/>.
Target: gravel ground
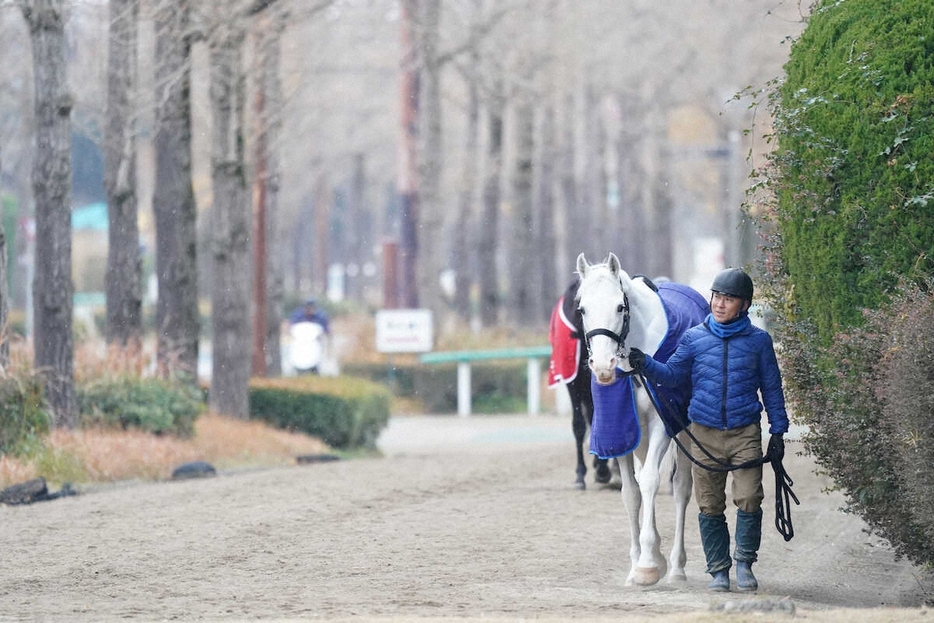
<point x="471" y="518"/>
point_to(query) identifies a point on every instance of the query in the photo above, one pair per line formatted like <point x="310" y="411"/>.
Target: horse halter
<point x="620" y="337"/>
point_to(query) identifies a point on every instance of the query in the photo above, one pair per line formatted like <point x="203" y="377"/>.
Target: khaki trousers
<point x="737" y="445"/>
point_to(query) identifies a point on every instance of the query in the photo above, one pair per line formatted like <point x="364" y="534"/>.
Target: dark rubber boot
<point x="748" y="538"/>
<point x="720" y="582"/>
<point x="715" y="536"/>
<point x="745" y="579"/>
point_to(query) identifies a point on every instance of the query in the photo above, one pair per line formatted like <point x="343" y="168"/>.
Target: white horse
<point x="620" y="313"/>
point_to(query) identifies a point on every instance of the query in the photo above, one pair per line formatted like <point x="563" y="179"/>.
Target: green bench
<point x="532" y="354"/>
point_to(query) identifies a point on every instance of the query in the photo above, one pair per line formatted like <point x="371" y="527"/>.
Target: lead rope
<point x="783" y="496"/>
<point x="783" y="482"/>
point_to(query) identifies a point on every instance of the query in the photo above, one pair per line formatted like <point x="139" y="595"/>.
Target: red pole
<point x="390" y="275"/>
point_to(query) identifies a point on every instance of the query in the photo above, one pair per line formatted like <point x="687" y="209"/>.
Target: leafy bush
<point x="148" y="404"/>
<point x="343" y="412"/>
<point x="906" y="391"/>
<point x="23" y="415"/>
<point x="869" y="397"/>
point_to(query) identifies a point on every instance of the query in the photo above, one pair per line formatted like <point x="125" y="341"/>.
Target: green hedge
<point x="497" y="387"/>
<point x="343" y="412"/>
<point x="23" y="415"/>
<point x="854" y="121"/>
<point x="147" y="404"/>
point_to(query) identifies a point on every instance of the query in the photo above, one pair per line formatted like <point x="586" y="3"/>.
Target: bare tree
<point x="430" y="157"/>
<point x="523" y="290"/>
<point x="462" y="258"/>
<point x="552" y="280"/>
<point x="52" y="287"/>
<point x="267" y="175"/>
<point x="4" y="286"/>
<point x="231" y="230"/>
<point x="124" y="264"/>
<point x="488" y="245"/>
<point x="177" y="324"/>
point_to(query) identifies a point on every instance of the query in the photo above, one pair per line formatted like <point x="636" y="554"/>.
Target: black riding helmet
<point x="733" y="282"/>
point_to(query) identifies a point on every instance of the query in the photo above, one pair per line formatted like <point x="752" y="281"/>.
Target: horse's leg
<point x="682" y="483"/>
<point x="579" y="425"/>
<point x="632" y="500"/>
<point x="652" y="565"/>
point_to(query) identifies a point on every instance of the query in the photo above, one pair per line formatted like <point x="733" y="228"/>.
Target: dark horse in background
<point x="568" y="366"/>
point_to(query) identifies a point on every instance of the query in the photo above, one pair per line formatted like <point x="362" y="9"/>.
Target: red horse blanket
<point x="565" y="347"/>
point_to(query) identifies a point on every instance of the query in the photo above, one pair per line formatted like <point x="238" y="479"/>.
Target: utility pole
<point x="408" y="176"/>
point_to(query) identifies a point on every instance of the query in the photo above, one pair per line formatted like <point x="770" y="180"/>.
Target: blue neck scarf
<point x="730" y="328"/>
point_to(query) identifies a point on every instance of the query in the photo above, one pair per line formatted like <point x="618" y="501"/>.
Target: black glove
<point x="636" y="359"/>
<point x="776" y="451"/>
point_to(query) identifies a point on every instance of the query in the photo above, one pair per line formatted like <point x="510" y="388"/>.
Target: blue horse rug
<point x="615" y="429"/>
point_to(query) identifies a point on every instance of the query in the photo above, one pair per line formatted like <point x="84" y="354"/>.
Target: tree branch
<point x="477" y="34"/>
<point x="259" y="6"/>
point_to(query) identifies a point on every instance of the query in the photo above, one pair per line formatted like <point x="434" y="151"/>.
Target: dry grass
<point x="107" y="455"/>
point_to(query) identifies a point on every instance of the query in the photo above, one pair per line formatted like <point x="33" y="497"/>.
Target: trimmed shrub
<point x="149" y="404"/>
<point x="24" y="418"/>
<point x="343" y="412"/>
<point x="855" y="130"/>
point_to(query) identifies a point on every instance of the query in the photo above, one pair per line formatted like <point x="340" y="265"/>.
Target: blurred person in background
<point x="309" y="330"/>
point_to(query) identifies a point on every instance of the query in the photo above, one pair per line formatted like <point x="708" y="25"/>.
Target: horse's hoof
<point x="603" y="475"/>
<point x="677" y="576"/>
<point x="646" y="576"/>
<point x="580" y="484"/>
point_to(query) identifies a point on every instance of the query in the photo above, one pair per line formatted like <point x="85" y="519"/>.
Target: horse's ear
<point x="582" y="265"/>
<point x="613" y="262"/>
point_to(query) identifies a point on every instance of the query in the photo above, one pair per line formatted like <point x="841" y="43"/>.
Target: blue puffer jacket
<point x="726" y="374"/>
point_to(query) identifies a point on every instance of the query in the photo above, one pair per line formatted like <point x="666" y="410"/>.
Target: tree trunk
<point x="259" y="363"/>
<point x="51" y="177"/>
<point x="124" y="277"/>
<point x="4" y="290"/>
<point x="523" y="290"/>
<point x="462" y="259"/>
<point x="231" y="287"/>
<point x="360" y="228"/>
<point x="273" y="107"/>
<point x="488" y="244"/>
<point x="546" y="255"/>
<point x="429" y="160"/>
<point x="173" y="198"/>
<point x="632" y="208"/>
<point x="571" y="221"/>
<point x="321" y="251"/>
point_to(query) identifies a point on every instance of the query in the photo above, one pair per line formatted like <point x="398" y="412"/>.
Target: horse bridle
<point x="620" y="337"/>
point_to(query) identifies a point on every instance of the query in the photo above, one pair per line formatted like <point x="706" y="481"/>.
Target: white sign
<point x="404" y="330"/>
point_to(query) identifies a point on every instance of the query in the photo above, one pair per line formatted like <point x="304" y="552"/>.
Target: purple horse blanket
<point x="615" y="430"/>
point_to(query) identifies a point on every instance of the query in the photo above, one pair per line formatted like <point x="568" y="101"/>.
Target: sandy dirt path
<point x="464" y="517"/>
